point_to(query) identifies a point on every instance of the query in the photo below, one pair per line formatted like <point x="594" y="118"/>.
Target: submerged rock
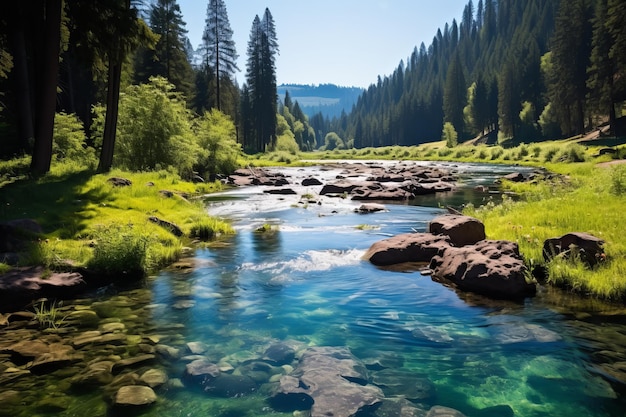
<point x="134" y="395"/>
<point x="329" y="381"/>
<point x="404" y="384"/>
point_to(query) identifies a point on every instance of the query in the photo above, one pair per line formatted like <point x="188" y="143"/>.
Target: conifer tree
<point x="601" y="70"/>
<point x="218" y="48"/>
<point x="454" y="97"/>
<point x="570" y="57"/>
<point x="261" y="80"/>
<point x="169" y="58"/>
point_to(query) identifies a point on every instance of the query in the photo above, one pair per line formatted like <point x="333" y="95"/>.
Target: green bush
<point x="618" y="180"/>
<point x="154" y="129"/>
<point x="208" y="228"/>
<point x="69" y="141"/>
<point x="119" y="250"/>
<point x="449" y="135"/>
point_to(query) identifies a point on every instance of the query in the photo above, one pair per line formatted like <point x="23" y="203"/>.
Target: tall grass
<point x="584" y="203"/>
<point x="89" y="222"/>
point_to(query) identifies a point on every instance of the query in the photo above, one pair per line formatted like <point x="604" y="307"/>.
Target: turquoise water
<point x="304" y="284"/>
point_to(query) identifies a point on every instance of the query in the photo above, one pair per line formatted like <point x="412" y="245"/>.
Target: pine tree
<point x="616" y="24"/>
<point x="218" y="48"/>
<point x="169" y="58"/>
<point x="261" y="81"/>
<point x="570" y="57"/>
<point x="454" y="97"/>
<point x="508" y="100"/>
<point x="601" y="70"/>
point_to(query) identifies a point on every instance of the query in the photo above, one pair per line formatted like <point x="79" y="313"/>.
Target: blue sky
<point x="343" y="42"/>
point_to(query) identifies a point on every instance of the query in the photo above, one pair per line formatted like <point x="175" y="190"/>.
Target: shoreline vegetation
<point x="89" y="222"/>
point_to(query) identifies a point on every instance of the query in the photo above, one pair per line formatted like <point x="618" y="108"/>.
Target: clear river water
<point x="305" y="284"/>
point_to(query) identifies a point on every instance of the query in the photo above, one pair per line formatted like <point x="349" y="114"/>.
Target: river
<point x="304" y="284"/>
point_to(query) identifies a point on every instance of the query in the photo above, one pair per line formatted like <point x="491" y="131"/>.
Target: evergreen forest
<point x="118" y="83"/>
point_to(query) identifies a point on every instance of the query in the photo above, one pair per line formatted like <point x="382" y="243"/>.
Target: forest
<point x="118" y="83"/>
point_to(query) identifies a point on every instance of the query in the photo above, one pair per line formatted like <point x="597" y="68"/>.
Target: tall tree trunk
<point x="47" y="89"/>
<point x="110" y="123"/>
<point x="22" y="89"/>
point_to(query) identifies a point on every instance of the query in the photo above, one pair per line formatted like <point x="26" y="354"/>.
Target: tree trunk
<point x="110" y="123"/>
<point x="22" y="89"/>
<point x="47" y="89"/>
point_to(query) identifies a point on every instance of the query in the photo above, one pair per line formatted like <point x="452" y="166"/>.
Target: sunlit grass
<point x="584" y="203"/>
<point x="80" y="212"/>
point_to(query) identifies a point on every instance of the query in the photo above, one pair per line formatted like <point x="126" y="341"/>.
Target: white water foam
<point x="310" y="261"/>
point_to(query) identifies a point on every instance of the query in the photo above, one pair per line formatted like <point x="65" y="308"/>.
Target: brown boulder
<point x="407" y="247"/>
<point x="588" y="247"/>
<point x="490" y="267"/>
<point x="462" y="230"/>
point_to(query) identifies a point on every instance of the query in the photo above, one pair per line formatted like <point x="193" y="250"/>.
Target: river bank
<point x="76" y="210"/>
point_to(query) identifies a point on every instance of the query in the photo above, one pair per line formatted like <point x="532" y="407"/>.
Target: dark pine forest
<point x="509" y="71"/>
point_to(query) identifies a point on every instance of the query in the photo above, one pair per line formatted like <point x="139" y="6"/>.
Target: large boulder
<point x="587" y="247"/>
<point x="490" y="267"/>
<point x="329" y="381"/>
<point x="462" y="230"/>
<point x="407" y="247"/>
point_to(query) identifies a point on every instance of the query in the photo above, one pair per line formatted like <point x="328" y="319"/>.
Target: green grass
<point x="583" y="198"/>
<point x="48" y="315"/>
<point x="81" y="213"/>
<point x="584" y="202"/>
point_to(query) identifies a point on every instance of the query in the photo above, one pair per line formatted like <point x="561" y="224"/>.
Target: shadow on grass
<point x="58" y="204"/>
<point x="604" y="141"/>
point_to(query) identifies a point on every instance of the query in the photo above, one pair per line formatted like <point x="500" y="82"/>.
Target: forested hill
<point x="516" y="70"/>
<point x="328" y="99"/>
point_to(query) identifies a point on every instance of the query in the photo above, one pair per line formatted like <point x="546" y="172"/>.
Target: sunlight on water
<point x="305" y="285"/>
<point x="310" y="261"/>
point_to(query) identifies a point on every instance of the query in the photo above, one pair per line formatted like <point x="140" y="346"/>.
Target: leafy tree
<point x="154" y="129"/>
<point x="285" y="138"/>
<point x="69" y="142"/>
<point x="333" y="141"/>
<point x="449" y="135"/>
<point x="218" y="48"/>
<point x="218" y="140"/>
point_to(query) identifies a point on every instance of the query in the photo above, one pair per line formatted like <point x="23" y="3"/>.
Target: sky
<point x="344" y="42"/>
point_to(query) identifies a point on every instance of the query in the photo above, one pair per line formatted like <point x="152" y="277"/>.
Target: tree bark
<point x="47" y="89"/>
<point x="110" y="123"/>
<point x="22" y="89"/>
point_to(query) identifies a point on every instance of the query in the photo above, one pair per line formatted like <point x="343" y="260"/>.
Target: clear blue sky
<point x="343" y="42"/>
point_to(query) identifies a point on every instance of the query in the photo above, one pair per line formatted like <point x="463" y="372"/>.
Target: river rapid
<point x="304" y="284"/>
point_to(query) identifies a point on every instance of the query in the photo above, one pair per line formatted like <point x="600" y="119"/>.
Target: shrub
<point x="208" y="228"/>
<point x="618" y="180"/>
<point x="69" y="141"/>
<point x="119" y="250"/>
<point x="154" y="129"/>
<point x="218" y="139"/>
<point x="449" y="135"/>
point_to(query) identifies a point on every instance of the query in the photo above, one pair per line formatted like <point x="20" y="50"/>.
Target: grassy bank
<point x="88" y="221"/>
<point x="587" y="196"/>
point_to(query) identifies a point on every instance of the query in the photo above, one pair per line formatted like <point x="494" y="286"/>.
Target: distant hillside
<point x="328" y="99"/>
